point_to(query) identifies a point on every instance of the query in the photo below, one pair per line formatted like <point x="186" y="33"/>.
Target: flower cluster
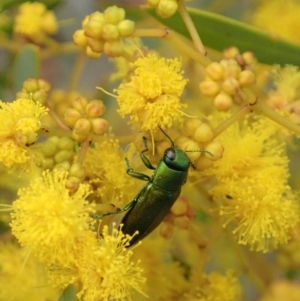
<point x="56" y="150"/>
<point x="106" y="170"/>
<point x="225" y="81"/>
<point x="256" y="201"/>
<point x="35" y="22"/>
<point x="102" y="32"/>
<point x="84" y="118"/>
<point x="19" y="124"/>
<point x="35" y="89"/>
<point x="55" y="227"/>
<point x="164" y="8"/>
<point x="235" y="193"/>
<point x="152" y="97"/>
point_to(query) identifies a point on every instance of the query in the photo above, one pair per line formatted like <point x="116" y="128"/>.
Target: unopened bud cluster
<point x="180" y="216"/>
<point x="34" y="21"/>
<point x="246" y="60"/>
<point x="225" y="81"/>
<point x="199" y="136"/>
<point x="56" y="150"/>
<point x="76" y="174"/>
<point x="161" y="143"/>
<point x="60" y="100"/>
<point x="35" y="89"/>
<point x="102" y="32"/>
<point x="196" y="136"/>
<point x="84" y="118"/>
<point x="164" y="8"/>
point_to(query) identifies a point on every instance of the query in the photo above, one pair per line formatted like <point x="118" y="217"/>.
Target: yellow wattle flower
<point x="47" y="220"/>
<point x="19" y="123"/>
<point x="35" y="21"/>
<point x="152" y="97"/>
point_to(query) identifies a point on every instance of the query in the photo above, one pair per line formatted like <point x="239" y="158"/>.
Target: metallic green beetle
<point x="156" y="198"/>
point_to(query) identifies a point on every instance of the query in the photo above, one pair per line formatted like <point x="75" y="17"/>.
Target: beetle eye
<point x="170" y="153"/>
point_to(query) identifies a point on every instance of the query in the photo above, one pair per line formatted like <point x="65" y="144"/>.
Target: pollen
<point x="105" y="165"/>
<point x="152" y="97"/>
<point x="260" y="215"/>
<point x="47" y="220"/>
<point x="19" y="123"/>
<point x="106" y="270"/>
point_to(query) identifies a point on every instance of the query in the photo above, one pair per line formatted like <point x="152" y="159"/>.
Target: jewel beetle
<point x="148" y="209"/>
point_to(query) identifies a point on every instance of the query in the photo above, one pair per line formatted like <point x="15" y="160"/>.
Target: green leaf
<point x="6" y="4"/>
<point x="26" y="65"/>
<point x="219" y="32"/>
<point x="68" y="294"/>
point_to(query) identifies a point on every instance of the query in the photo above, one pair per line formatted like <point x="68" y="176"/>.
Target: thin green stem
<point x="76" y="72"/>
<point x="232" y="119"/>
<point x="150" y="32"/>
<point x="183" y="45"/>
<point x="261" y="108"/>
<point x="59" y="122"/>
<point x="191" y="28"/>
<point x="185" y="48"/>
<point x="83" y="150"/>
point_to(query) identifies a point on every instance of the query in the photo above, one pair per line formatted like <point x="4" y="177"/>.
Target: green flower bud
<point x="93" y="29"/>
<point x="63" y="166"/>
<point x="95" y="45"/>
<point x="30" y="85"/>
<point x="215" y="71"/>
<point x="54" y="140"/>
<point x="99" y="126"/>
<point x="113" y="48"/>
<point x="203" y="133"/>
<point x="40" y="96"/>
<point x="71" y="116"/>
<point x="82" y="126"/>
<point x="96" y="16"/>
<point x="22" y="95"/>
<point x="166" y="8"/>
<point x="79" y="38"/>
<point x="48" y="163"/>
<point x="63" y="155"/>
<point x="110" y="32"/>
<point x="43" y="85"/>
<point x="209" y="88"/>
<point x="66" y="143"/>
<point x="216" y="149"/>
<point x="190" y="126"/>
<point x="72" y="184"/>
<point x="246" y="78"/>
<point x="114" y="14"/>
<point x="92" y="54"/>
<point x="126" y="28"/>
<point x="79" y="104"/>
<point x="80" y="138"/>
<point x="223" y="101"/>
<point x="231" y="86"/>
<point x="95" y="108"/>
<point x="77" y="170"/>
<point x="49" y="148"/>
<point x="203" y="162"/>
<point x="153" y="3"/>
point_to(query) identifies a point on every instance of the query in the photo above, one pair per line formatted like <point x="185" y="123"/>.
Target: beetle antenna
<point x="166" y="135"/>
<point x="199" y="151"/>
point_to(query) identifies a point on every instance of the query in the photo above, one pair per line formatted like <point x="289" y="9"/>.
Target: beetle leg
<point x="126" y="208"/>
<point x="136" y="174"/>
<point x="144" y="158"/>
